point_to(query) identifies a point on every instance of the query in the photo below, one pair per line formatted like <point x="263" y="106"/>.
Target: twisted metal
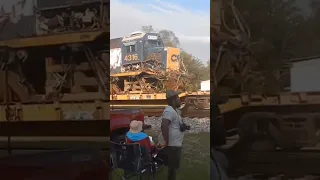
<point x="232" y="64"/>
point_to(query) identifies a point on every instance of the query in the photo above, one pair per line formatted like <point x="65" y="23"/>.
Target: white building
<point x="305" y="75"/>
<point x="205" y="85"/>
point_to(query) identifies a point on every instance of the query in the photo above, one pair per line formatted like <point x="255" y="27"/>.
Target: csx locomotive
<point x="142" y="63"/>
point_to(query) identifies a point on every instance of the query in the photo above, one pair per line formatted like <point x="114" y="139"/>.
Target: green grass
<point x="195" y="160"/>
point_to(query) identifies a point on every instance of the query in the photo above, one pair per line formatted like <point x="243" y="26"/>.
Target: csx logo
<point x="175" y="58"/>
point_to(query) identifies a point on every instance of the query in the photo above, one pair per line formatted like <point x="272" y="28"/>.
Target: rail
<point x="156" y="107"/>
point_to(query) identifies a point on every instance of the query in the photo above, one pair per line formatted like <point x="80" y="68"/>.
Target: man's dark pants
<point x="171" y="157"/>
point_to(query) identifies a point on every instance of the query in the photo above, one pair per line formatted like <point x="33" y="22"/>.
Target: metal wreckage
<point x="53" y="64"/>
<point x="58" y="64"/>
<point x="57" y="50"/>
<point x="232" y="62"/>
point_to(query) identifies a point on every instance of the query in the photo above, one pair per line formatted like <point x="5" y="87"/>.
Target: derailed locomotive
<point x="141" y="63"/>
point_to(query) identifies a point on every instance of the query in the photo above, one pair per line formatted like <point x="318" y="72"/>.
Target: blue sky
<point x="199" y="5"/>
<point x="188" y="19"/>
<point x="192" y="5"/>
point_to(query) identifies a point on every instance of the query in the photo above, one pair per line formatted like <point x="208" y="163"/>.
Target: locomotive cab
<point x="142" y="51"/>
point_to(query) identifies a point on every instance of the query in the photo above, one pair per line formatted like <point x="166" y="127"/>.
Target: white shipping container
<point x="305" y="76"/>
<point x="205" y="85"/>
<point x="115" y="58"/>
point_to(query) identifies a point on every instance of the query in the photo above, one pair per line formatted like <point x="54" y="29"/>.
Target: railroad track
<point x="155" y="108"/>
<point x="303" y="164"/>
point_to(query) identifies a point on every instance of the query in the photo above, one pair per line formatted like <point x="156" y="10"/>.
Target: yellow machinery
<point x="54" y="83"/>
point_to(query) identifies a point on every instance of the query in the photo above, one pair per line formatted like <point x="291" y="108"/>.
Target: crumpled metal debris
<point x="70" y="19"/>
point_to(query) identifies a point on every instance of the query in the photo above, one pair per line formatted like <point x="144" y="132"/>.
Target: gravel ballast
<point x="197" y="124"/>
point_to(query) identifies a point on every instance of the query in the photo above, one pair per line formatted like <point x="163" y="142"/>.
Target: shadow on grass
<point x="195" y="160"/>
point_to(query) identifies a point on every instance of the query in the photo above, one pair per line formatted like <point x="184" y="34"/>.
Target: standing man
<point x="172" y="134"/>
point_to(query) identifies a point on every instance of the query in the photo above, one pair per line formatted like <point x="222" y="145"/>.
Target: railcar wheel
<point x="255" y="133"/>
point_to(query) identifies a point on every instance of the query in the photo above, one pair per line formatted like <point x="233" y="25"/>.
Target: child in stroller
<point x="136" y="135"/>
<point x="148" y="147"/>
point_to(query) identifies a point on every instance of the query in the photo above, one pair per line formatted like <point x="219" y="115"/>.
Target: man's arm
<point x="165" y="130"/>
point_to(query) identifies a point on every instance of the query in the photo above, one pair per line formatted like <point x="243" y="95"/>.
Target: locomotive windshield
<point x="131" y="46"/>
<point x="153" y="43"/>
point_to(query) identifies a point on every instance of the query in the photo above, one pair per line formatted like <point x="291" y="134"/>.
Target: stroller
<point x="135" y="158"/>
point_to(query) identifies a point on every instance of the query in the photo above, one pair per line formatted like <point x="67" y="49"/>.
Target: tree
<point x="278" y="32"/>
<point x="273" y="24"/>
<point x="168" y="37"/>
<point x="285" y="31"/>
<point x="197" y="71"/>
<point x="147" y="29"/>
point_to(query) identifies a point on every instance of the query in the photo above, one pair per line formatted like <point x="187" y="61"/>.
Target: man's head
<point x="173" y="98"/>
